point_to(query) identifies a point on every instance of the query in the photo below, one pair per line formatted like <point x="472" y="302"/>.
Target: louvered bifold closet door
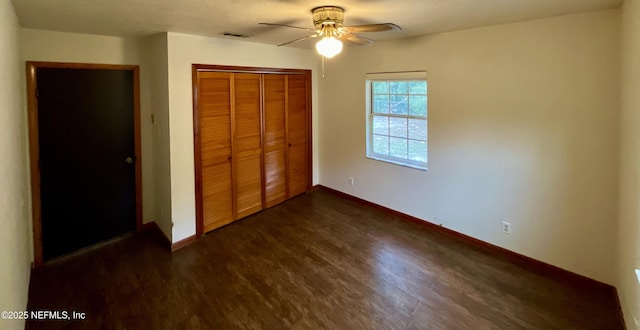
<point x="214" y="107"/>
<point x="247" y="143"/>
<point x="297" y="121"/>
<point x="275" y="143"/>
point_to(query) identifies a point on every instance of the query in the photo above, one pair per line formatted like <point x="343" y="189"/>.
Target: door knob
<point x="128" y="160"/>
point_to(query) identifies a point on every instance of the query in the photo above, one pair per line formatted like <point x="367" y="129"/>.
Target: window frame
<point x="391" y="77"/>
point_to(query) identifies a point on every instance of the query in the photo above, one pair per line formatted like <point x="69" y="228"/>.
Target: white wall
<point x="629" y="223"/>
<point x="50" y="46"/>
<point x="522" y="128"/>
<point x="185" y="50"/>
<point x="15" y="233"/>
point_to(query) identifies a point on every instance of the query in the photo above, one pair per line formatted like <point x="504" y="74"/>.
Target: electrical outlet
<point x="351" y="182"/>
<point x="506" y="227"/>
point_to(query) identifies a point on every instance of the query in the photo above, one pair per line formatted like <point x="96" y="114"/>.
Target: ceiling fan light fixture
<point x="329" y="47"/>
<point x="328" y="22"/>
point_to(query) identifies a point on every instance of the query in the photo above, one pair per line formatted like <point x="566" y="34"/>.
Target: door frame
<point x="195" y="68"/>
<point x="34" y="145"/>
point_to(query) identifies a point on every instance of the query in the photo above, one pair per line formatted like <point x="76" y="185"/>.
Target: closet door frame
<point x="196" y="68"/>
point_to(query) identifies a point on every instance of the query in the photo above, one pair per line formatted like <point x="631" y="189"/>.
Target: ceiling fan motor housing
<point x="328" y="15"/>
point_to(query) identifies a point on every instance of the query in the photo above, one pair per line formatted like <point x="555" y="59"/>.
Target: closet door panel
<point x="275" y="177"/>
<point x="214" y="118"/>
<point x="297" y="134"/>
<point x="247" y="143"/>
<point x="248" y="186"/>
<point x="275" y="143"/>
<point x="274" y="112"/>
<point x="217" y="199"/>
<point x="297" y="169"/>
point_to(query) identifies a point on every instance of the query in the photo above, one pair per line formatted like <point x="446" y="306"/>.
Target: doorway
<point x="84" y="132"/>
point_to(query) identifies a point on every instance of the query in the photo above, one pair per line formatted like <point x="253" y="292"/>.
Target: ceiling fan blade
<point x="300" y="39"/>
<point x="289" y="26"/>
<point x="357" y="39"/>
<point x="372" y="27"/>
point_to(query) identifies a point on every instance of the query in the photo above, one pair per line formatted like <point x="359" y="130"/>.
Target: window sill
<point x="399" y="163"/>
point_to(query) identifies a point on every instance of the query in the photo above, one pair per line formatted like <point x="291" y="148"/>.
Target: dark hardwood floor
<point x="315" y="262"/>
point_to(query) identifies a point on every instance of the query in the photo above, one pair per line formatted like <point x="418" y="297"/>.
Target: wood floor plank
<point x="317" y="261"/>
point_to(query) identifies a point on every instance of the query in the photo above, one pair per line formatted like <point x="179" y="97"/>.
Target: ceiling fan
<point x="328" y="22"/>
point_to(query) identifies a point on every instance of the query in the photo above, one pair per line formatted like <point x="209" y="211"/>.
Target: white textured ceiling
<point x="131" y="18"/>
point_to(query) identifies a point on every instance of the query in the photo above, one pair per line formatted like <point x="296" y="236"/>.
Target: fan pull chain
<point x="323" y="58"/>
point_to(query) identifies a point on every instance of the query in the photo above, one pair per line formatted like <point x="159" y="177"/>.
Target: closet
<point x="252" y="140"/>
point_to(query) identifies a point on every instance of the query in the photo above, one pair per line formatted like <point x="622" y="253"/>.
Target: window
<point x="397" y="118"/>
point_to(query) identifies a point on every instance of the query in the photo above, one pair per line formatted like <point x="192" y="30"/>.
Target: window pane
<point x="418" y="87"/>
<point x="418" y="129"/>
<point x="418" y="151"/>
<point x="398" y="147"/>
<point x="398" y="122"/>
<point x="380" y="125"/>
<point x="381" y="103"/>
<point x="399" y="87"/>
<point x="399" y="104"/>
<point x="398" y="127"/>
<point x="380" y="87"/>
<point x="381" y="144"/>
<point x="418" y="105"/>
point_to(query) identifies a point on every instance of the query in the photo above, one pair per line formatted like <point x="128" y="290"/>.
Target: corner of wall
<point x="157" y="63"/>
<point x="15" y="236"/>
<point x="628" y="252"/>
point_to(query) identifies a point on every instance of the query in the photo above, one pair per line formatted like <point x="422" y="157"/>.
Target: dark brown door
<point x="87" y="156"/>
